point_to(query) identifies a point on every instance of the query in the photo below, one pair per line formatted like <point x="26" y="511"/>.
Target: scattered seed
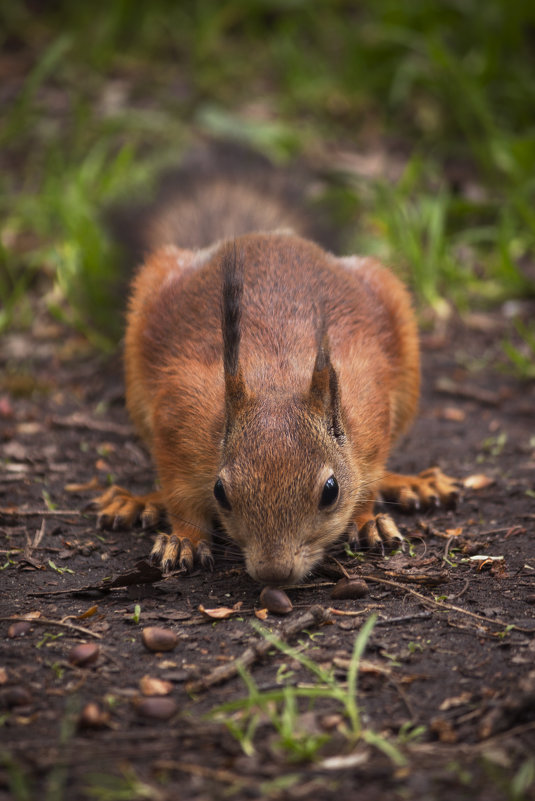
<point x="530" y="599"/>
<point x="156" y="638"/>
<point x="151" y="686"/>
<point x="19" y="629"/>
<point x="84" y="654"/>
<point x="276" y="601"/>
<point x="93" y="717"/>
<point x="349" y="588"/>
<point x="158" y="708"/>
<point x="16" y="696"/>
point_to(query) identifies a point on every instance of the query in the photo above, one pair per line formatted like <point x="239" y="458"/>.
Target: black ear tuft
<point x="232" y="270"/>
<point x="324" y="393"/>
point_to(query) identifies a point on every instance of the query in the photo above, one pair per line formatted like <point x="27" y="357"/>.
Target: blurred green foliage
<point x="99" y="98"/>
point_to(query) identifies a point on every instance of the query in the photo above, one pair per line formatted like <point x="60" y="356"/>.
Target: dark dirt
<point x="453" y="649"/>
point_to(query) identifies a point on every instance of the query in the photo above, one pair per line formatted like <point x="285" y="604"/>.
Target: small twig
<point x="43" y="621"/>
<point x="386" y="621"/>
<point x="462" y="592"/>
<point x="6" y="512"/>
<point x="314" y="616"/>
<point x="220" y="775"/>
<point x="102" y="426"/>
<point x="443" y="605"/>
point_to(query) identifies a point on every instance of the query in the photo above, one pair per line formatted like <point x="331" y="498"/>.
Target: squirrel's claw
<point x="378" y="533"/>
<point x="427" y="490"/>
<point x="118" y="508"/>
<point x="171" y="551"/>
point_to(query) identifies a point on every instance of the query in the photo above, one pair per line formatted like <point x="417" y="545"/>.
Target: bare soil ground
<point x="453" y="649"/>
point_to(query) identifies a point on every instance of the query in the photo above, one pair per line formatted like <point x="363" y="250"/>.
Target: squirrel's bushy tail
<point x="221" y="191"/>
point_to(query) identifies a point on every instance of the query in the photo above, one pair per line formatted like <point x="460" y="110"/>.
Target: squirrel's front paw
<point x="173" y="551"/>
<point x="375" y="532"/>
<point x="118" y="508"/>
<point x="428" y="489"/>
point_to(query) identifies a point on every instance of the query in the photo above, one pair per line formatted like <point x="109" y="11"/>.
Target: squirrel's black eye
<point x="330" y="493"/>
<point x="221" y="495"/>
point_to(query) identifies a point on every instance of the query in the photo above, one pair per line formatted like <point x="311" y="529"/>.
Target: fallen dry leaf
<point x="261" y="614"/>
<point x="454" y="532"/>
<point x="452" y="413"/>
<point x="454" y="701"/>
<point x="219" y="613"/>
<point x="478" y="481"/>
<point x="88" y="613"/>
<point x="93" y="484"/>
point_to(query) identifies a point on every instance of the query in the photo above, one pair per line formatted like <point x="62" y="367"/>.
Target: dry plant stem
<point x="205" y="772"/>
<point x="102" y="426"/>
<point x="39" y="512"/>
<point x="442" y="605"/>
<point x="42" y="621"/>
<point x="314" y="616"/>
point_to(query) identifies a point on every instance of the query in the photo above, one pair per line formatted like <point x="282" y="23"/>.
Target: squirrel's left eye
<point x="330" y="493"/>
<point x="221" y="495"/>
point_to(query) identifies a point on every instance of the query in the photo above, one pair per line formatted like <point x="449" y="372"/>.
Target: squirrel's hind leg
<point x="118" y="508"/>
<point x="428" y="489"/>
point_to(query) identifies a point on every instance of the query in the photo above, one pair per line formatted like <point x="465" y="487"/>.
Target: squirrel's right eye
<point x="330" y="493"/>
<point x="221" y="495"/>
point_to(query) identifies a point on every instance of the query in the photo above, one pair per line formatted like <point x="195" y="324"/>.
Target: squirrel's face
<point x="285" y="490"/>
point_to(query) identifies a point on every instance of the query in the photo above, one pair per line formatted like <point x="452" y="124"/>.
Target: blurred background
<point x="414" y="121"/>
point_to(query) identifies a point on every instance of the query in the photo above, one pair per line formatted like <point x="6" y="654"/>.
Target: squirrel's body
<point x="269" y="380"/>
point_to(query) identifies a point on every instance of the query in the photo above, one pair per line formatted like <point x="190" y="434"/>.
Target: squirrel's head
<point x="285" y="488"/>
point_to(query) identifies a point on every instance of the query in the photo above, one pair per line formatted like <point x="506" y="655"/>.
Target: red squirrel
<point x="269" y="379"/>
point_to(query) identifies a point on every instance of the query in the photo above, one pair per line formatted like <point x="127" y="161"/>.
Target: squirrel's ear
<point x="232" y="269"/>
<point x="324" y="393"/>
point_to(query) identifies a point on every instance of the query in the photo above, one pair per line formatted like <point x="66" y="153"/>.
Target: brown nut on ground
<point x="156" y="707"/>
<point x="19" y="629"/>
<point x="84" y="654"/>
<point x="348" y="588"/>
<point x="93" y="717"/>
<point x="156" y="638"/>
<point x="276" y="601"/>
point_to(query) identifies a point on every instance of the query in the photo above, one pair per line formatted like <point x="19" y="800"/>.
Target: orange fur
<point x="292" y="414"/>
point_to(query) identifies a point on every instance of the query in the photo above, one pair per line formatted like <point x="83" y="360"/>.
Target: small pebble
<point x="84" y="654"/>
<point x="530" y="599"/>
<point x="157" y="707"/>
<point x="349" y="588"/>
<point x="19" y="629"/>
<point x="276" y="601"/>
<point x="157" y="639"/>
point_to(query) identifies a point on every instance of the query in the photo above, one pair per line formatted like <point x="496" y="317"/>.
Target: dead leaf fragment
<point x="219" y="613"/>
<point x="261" y="614"/>
<point x="152" y="686"/>
<point x="478" y="481"/>
<point x="453" y="414"/>
<point x="93" y="484"/>
<point x="454" y="701"/>
<point x="88" y="613"/>
<point x="454" y="532"/>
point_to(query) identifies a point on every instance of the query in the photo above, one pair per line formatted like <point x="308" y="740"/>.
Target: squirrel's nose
<point x="273" y="574"/>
